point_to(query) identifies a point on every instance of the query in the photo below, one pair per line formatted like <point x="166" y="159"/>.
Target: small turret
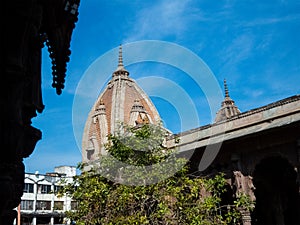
<point x="228" y="108"/>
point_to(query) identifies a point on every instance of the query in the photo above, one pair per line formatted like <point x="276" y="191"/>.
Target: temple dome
<point x="228" y="108"/>
<point x="121" y="102"/>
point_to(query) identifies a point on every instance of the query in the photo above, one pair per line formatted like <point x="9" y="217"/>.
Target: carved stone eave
<point x="64" y="14"/>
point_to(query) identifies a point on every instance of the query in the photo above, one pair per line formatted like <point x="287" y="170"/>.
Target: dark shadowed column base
<point x="8" y="217"/>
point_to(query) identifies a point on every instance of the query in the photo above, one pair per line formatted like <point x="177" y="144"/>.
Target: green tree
<point x="178" y="198"/>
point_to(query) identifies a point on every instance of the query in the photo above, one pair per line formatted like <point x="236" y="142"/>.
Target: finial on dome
<point x="120" y="70"/>
<point x="120" y="63"/>
<point x="226" y="89"/>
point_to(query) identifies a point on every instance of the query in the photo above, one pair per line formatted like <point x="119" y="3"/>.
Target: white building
<point x="39" y="204"/>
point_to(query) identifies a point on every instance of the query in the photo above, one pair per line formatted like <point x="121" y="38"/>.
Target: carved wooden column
<point x="246" y="216"/>
<point x="25" y="26"/>
<point x="244" y="185"/>
<point x="298" y="162"/>
<point x="298" y="177"/>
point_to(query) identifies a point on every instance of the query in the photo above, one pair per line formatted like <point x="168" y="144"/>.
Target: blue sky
<point x="255" y="45"/>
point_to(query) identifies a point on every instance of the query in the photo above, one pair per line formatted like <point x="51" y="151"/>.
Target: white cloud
<point x="240" y="49"/>
<point x="270" y="21"/>
<point x="165" y="19"/>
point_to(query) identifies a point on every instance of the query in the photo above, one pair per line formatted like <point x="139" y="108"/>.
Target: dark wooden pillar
<point x="25" y="26"/>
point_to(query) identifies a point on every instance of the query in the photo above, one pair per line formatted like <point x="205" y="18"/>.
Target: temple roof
<point x="228" y="107"/>
<point x="121" y="102"/>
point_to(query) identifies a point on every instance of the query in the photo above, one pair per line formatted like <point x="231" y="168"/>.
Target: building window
<point x="58" y="205"/>
<point x="44" y="189"/>
<point x="57" y="188"/>
<point x="74" y="205"/>
<point x="27" y="205"/>
<point x="43" y="205"/>
<point x="28" y="188"/>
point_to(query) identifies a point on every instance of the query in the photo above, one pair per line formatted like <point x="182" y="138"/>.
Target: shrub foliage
<point x="177" y="199"/>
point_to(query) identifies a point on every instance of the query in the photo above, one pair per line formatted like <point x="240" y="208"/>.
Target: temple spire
<point x="120" y="69"/>
<point x="228" y="108"/>
<point x="120" y="63"/>
<point x="226" y="89"/>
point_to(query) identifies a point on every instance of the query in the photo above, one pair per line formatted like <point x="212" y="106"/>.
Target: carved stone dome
<point x="122" y="102"/>
<point x="228" y="107"/>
